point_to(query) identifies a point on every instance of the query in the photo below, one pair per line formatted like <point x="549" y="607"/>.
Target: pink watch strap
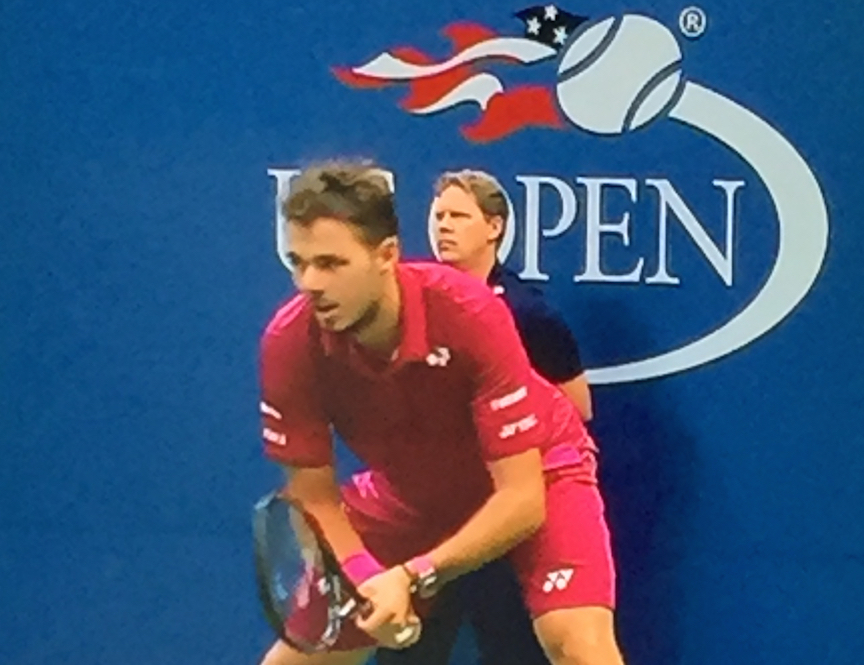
<point x="421" y="565"/>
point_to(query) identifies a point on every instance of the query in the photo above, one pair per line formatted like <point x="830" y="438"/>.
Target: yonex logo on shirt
<point x="439" y="357"/>
<point x="557" y="579"/>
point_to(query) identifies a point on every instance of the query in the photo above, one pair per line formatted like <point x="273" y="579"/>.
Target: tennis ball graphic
<point x="619" y="74"/>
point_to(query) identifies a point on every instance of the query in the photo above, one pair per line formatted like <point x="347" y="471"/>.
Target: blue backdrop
<point x="139" y="266"/>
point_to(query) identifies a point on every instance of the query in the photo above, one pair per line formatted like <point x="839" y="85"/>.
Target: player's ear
<point x="387" y="254"/>
<point x="496" y="228"/>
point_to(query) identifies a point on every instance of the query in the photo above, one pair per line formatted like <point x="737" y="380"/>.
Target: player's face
<point x="342" y="275"/>
<point x="462" y="233"/>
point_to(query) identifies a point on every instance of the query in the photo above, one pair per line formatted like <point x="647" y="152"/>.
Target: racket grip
<point x="356" y="607"/>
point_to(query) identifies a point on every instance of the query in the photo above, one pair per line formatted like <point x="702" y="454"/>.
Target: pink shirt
<point x="458" y="393"/>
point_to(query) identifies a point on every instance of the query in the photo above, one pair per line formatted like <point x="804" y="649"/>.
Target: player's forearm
<point x="507" y="518"/>
<point x="323" y="502"/>
<point x="340" y="535"/>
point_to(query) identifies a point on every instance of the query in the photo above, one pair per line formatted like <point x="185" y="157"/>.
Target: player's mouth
<point x="447" y="245"/>
<point x="327" y="314"/>
<point x="325" y="307"/>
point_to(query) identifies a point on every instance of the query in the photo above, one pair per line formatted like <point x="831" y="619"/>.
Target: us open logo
<point x="616" y="75"/>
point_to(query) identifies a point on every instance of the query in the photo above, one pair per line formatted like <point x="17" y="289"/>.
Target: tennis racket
<point x="306" y="596"/>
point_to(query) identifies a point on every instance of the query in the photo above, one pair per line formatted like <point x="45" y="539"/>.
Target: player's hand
<point x="392" y="614"/>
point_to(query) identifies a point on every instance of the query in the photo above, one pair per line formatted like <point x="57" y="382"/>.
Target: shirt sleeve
<point x="551" y="346"/>
<point x="296" y="429"/>
<point x="506" y="402"/>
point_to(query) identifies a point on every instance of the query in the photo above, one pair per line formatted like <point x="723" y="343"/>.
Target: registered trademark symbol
<point x="692" y="22"/>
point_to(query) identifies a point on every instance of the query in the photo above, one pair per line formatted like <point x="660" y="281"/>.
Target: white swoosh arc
<point x="803" y="241"/>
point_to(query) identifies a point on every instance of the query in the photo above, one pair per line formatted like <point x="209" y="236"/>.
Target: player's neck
<point x="383" y="334"/>
<point x="481" y="266"/>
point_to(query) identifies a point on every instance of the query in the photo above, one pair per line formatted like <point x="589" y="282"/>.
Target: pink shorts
<point x="566" y="563"/>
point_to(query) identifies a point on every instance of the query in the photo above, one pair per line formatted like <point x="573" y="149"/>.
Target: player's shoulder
<point x="461" y="312"/>
<point x="292" y="324"/>
<point x="448" y="292"/>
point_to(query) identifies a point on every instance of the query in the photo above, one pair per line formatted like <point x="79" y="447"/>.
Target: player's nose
<point x="310" y="280"/>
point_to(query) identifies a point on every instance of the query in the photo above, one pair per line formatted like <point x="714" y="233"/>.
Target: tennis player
<point x="471" y="455"/>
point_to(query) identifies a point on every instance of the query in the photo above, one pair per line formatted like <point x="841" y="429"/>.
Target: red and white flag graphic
<point x="435" y="86"/>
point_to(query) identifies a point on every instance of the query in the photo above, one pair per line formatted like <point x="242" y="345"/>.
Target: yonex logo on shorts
<point x="558" y="579"/>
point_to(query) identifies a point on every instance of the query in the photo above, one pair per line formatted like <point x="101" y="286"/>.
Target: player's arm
<point x="297" y="434"/>
<point x="579" y="392"/>
<point x="509" y="419"/>
<point x="512" y="513"/>
<point x="554" y="354"/>
<point x="317" y="490"/>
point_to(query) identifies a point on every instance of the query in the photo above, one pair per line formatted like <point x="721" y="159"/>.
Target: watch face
<point x="426" y="592"/>
<point x="428" y="584"/>
<point x="425" y="576"/>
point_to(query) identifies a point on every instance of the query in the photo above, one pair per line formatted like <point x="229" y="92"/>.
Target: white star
<point x="551" y="12"/>
<point x="560" y="35"/>
<point x="533" y="26"/>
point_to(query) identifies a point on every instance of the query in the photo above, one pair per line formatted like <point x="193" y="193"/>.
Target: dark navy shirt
<point x="551" y="346"/>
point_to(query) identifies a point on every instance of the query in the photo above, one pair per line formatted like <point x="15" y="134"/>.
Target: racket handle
<point x="356" y="607"/>
<point x="365" y="609"/>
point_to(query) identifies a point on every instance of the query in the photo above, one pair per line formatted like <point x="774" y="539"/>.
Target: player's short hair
<point x="353" y="191"/>
<point x="485" y="189"/>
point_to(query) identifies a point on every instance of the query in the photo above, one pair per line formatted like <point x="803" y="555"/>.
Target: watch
<point x="424" y="576"/>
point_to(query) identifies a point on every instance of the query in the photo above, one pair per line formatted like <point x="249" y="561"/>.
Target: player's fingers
<point x="373" y="620"/>
<point x="403" y="614"/>
<point x="368" y="588"/>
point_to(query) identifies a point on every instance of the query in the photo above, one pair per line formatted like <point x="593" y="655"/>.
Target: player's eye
<point x="329" y="263"/>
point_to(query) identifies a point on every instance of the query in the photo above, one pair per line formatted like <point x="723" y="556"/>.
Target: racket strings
<point x="300" y="583"/>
